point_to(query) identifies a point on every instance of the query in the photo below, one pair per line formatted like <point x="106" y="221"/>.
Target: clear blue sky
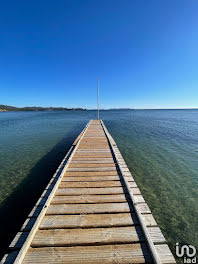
<point x="145" y="52"/>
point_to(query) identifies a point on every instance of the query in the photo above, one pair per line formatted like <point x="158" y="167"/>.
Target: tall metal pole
<point x="98" y="98"/>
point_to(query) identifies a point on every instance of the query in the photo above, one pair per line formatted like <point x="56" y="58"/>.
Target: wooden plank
<point x="94" y="145"/>
<point x="122" y="254"/>
<point x="113" y="198"/>
<point x="88" y="208"/>
<point x="88" y="221"/>
<point x="135" y="190"/>
<point x="165" y="254"/>
<point x="132" y="184"/>
<point x="66" y="221"/>
<point x="85" y="155"/>
<point x="106" y="169"/>
<point x="129" y="178"/>
<point x="93" y="156"/>
<point x="89" y="236"/>
<point x="99" y="161"/>
<point x="149" y="220"/>
<point x="94" y="136"/>
<point x="89" y="141"/>
<point x="144" y="209"/>
<point x="156" y="235"/>
<point x="90" y="173"/>
<point x="90" y="178"/>
<point x="139" y="199"/>
<point x="93" y="151"/>
<point x="103" y="140"/>
<point x="93" y="142"/>
<point x="93" y="159"/>
<point x="90" y="184"/>
<point x="95" y="131"/>
<point x="91" y="165"/>
<point x="80" y="191"/>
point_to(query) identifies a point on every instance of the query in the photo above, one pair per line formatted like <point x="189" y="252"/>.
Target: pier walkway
<point x="91" y="212"/>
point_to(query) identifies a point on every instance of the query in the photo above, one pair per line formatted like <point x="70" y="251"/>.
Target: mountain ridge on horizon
<point x="6" y="108"/>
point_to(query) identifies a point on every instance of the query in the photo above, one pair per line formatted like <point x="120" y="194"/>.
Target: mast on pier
<point x="98" y="98"/>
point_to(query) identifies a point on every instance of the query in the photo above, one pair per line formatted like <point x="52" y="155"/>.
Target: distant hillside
<point x="4" y="108"/>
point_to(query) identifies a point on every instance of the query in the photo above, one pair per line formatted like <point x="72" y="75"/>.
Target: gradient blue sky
<point x="145" y="52"/>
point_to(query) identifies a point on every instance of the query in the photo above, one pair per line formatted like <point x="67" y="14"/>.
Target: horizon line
<point x="110" y="108"/>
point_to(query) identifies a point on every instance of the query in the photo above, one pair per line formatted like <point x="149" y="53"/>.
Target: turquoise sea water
<point x="160" y="148"/>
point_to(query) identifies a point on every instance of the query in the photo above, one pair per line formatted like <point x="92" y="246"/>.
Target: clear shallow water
<point x="159" y="146"/>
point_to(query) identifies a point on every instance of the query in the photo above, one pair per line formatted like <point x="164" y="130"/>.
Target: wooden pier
<point x="91" y="212"/>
